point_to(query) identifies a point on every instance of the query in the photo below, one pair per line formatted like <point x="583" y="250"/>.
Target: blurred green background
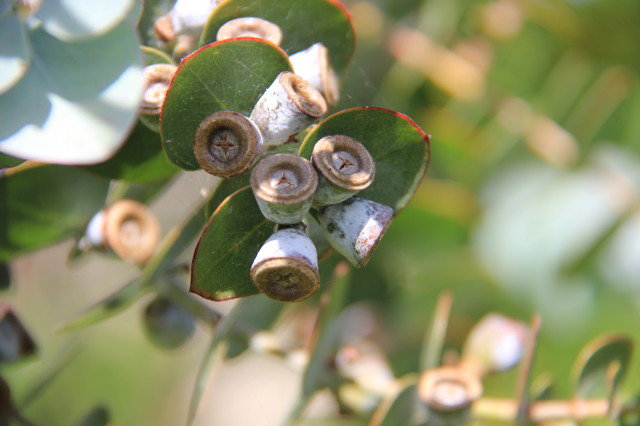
<point x="530" y="205"/>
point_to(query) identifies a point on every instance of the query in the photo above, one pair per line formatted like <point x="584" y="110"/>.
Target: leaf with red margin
<point x="229" y="75"/>
<point x="398" y="146"/>
<point x="303" y="23"/>
<point x="228" y="245"/>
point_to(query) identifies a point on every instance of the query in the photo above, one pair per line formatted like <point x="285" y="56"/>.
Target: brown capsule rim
<point x="149" y="230"/>
<point x="157" y="78"/>
<point x="250" y="26"/>
<point x="324" y="159"/>
<point x="246" y="135"/>
<point x="262" y="272"/>
<point x="305" y="97"/>
<point x="300" y="176"/>
<point x="430" y="379"/>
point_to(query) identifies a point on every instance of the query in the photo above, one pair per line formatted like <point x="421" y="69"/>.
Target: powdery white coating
<point x="496" y="343"/>
<point x="190" y="16"/>
<point x="277" y="115"/>
<point x="313" y="65"/>
<point x="288" y="243"/>
<point x="354" y="227"/>
<point x="94" y="234"/>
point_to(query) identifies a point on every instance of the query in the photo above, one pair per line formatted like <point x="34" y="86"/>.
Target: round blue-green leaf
<point x="45" y="204"/>
<point x="140" y="159"/>
<point x="227" y="248"/>
<point x="399" y="147"/>
<point x="230" y="75"/>
<point x="14" y="50"/>
<point x="303" y="23"/>
<point x="77" y="102"/>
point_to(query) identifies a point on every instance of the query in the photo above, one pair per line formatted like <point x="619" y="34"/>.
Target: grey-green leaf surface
<point x="227" y="247"/>
<point x="14" y="50"/>
<point x="44" y="204"/>
<point x="303" y="23"/>
<point x="77" y="102"/>
<point x="76" y="19"/>
<point x="140" y="159"/>
<point x="225" y="76"/>
<point x="398" y="146"/>
<point x="399" y="411"/>
<point x="593" y="368"/>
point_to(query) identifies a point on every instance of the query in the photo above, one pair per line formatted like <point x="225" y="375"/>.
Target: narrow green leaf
<point x="7" y="161"/>
<point x="602" y="364"/>
<point x="99" y="416"/>
<point x="258" y="313"/>
<point x="302" y="23"/>
<point x="398" y="411"/>
<point x="42" y="205"/>
<point x="155" y="56"/>
<point x="398" y="146"/>
<point x="140" y="159"/>
<point x="107" y="308"/>
<point x="230" y="75"/>
<point x="433" y="343"/>
<point x="227" y="247"/>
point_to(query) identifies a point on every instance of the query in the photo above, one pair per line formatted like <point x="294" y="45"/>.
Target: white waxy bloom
<point x="286" y="267"/>
<point x="190" y="16"/>
<point x="288" y="106"/>
<point x="250" y="27"/>
<point x="355" y="227"/>
<point x="313" y="64"/>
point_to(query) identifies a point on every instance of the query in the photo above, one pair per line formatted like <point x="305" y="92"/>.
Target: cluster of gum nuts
<point x="290" y="190"/>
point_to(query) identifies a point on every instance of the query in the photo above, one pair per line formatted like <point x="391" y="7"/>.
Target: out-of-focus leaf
<point x="15" y="341"/>
<point x="168" y="324"/>
<point x="74" y="19"/>
<point x="5" y="276"/>
<point x="602" y="365"/>
<point x="155" y="56"/>
<point x="398" y="411"/>
<point x="302" y="23"/>
<point x="99" y="416"/>
<point x="257" y="313"/>
<point x="110" y="306"/>
<point x="225" y="188"/>
<point x="227" y="248"/>
<point x="7" y="161"/>
<point x="78" y="100"/>
<point x="151" y="11"/>
<point x="140" y="159"/>
<point x="230" y="75"/>
<point x="44" y="204"/>
<point x="433" y="342"/>
<point x="14" y="50"/>
<point x="398" y="146"/>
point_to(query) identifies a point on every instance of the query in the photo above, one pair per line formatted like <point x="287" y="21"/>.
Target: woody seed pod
<point x="313" y="65"/>
<point x="286" y="267"/>
<point x="283" y="185"/>
<point x="226" y="143"/>
<point x="250" y="27"/>
<point x="447" y="388"/>
<point x="157" y="78"/>
<point x="355" y="227"/>
<point x="289" y="105"/>
<point x="127" y="227"/>
<point x="344" y="167"/>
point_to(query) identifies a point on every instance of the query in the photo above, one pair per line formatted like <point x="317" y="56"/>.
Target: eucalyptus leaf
<point x="5" y="276"/>
<point x="74" y="19"/>
<point x="227" y="247"/>
<point x="225" y="188"/>
<point x="593" y="369"/>
<point x="155" y="56"/>
<point x="77" y="102"/>
<point x="257" y="313"/>
<point x="230" y="75"/>
<point x="398" y="146"/>
<point x="168" y="325"/>
<point x="398" y="411"/>
<point x="7" y="161"/>
<point x="42" y="205"/>
<point x="140" y="159"/>
<point x="14" y="50"/>
<point x="303" y="23"/>
<point x="99" y="416"/>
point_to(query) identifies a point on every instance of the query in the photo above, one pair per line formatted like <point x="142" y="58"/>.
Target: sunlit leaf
<point x="398" y="146"/>
<point x="78" y="100"/>
<point x="44" y="204"/>
<point x="227" y="248"/>
<point x="302" y="23"/>
<point x="230" y="75"/>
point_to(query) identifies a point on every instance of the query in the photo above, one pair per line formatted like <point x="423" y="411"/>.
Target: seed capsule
<point x="157" y="79"/>
<point x="227" y="143"/>
<point x="344" y="167"/>
<point x="313" y="65"/>
<point x="289" y="105"/>
<point x="448" y="388"/>
<point x="286" y="267"/>
<point x="355" y="227"/>
<point x="283" y="185"/>
<point x="250" y="27"/>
